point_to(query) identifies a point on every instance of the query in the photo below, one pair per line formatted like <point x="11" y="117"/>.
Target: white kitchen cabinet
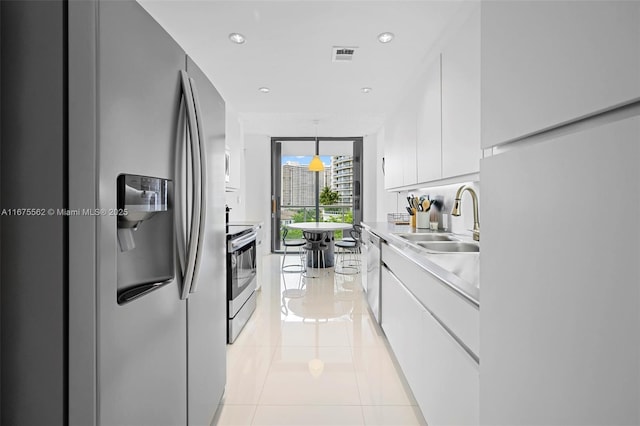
<point x="392" y="154"/>
<point x="403" y="326"/>
<point x="444" y="379"/>
<point x="545" y="63"/>
<point x="400" y="145"/>
<point x="560" y="330"/>
<point x="408" y="119"/>
<point x="429" y="126"/>
<point x="461" y="99"/>
<point x="435" y="133"/>
<point x="461" y="316"/>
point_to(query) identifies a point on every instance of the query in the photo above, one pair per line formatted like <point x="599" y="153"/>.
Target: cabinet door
<point x="546" y="63"/>
<point x="392" y="154"/>
<point x="402" y="324"/>
<point x="461" y="317"/>
<point x="559" y="321"/>
<point x="429" y="130"/>
<point x="407" y="119"/>
<point x="400" y="144"/>
<point x="461" y="99"/>
<point x="442" y="376"/>
<point x="449" y="391"/>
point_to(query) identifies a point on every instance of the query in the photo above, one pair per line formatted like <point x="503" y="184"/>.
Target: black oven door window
<point x="242" y="268"/>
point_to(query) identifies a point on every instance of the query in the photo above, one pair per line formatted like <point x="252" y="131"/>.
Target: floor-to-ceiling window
<point x="301" y="195"/>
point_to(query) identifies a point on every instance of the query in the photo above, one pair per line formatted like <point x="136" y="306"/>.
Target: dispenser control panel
<point x="142" y="194"/>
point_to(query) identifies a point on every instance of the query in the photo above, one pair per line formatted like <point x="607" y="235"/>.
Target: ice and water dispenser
<point x="145" y="259"/>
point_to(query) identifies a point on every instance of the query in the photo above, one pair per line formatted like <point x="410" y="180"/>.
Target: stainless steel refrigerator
<point x="113" y="238"/>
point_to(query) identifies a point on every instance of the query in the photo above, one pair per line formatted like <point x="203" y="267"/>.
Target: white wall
<point x="369" y="178"/>
<point x="234" y="141"/>
<point x="257" y="172"/>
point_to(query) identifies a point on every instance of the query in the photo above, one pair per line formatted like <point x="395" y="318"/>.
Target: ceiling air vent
<point x="342" y="54"/>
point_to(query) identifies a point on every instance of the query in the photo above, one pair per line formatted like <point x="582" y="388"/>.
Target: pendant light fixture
<point x="316" y="164"/>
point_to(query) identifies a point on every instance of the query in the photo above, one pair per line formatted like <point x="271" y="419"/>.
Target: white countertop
<point x="319" y="226"/>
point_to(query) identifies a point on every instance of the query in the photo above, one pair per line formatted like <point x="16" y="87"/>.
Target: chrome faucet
<point x="456" y="208"/>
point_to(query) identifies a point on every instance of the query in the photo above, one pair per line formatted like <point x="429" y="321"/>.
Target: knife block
<point x="412" y="218"/>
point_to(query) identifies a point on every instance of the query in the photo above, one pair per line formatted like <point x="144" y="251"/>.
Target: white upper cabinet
<point x="461" y="99"/>
<point x="408" y="118"/>
<point x="429" y="130"/>
<point x="435" y="133"/>
<point x="548" y="63"/>
<point x="392" y="154"/>
<point x="400" y="145"/>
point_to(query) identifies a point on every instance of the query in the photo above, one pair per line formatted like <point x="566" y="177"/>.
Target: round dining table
<point x="320" y="227"/>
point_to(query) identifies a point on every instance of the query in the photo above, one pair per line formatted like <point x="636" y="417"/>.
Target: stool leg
<point x="284" y="256"/>
<point x="291" y="268"/>
<point x="303" y="260"/>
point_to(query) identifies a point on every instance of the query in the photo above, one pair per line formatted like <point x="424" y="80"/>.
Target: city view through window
<point x="298" y="191"/>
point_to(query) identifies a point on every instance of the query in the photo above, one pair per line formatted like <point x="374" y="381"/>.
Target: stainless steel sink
<point x="449" y="246"/>
<point x="426" y="237"/>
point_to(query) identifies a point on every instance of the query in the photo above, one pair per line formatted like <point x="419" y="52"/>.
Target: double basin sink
<point x="440" y="243"/>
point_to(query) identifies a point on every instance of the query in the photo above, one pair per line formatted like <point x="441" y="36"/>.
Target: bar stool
<point x="357" y="228"/>
<point x="294" y="267"/>
<point x="315" y="244"/>
<point x="351" y="246"/>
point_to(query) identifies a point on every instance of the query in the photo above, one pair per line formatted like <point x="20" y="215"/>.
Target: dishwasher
<point x="371" y="280"/>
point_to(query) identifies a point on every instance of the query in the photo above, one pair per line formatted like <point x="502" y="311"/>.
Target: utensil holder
<point x="413" y="218"/>
<point x="422" y="220"/>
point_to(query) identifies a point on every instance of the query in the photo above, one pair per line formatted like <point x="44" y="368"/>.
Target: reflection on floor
<point x="312" y="355"/>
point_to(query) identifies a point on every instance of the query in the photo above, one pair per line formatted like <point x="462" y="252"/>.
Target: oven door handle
<point x="238" y="243"/>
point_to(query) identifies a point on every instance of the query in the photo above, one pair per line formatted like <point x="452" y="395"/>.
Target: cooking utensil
<point x="426" y="204"/>
<point x="410" y="210"/>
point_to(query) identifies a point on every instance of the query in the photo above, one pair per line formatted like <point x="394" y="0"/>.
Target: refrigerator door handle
<point x="178" y="196"/>
<point x="192" y="236"/>
<point x="202" y="183"/>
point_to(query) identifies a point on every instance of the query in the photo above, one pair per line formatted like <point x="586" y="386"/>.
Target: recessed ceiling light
<point x="237" y="38"/>
<point x="366" y="89"/>
<point x="264" y="89"/>
<point x="385" y="37"/>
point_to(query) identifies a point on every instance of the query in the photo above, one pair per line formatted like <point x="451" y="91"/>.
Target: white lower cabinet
<point x="442" y="375"/>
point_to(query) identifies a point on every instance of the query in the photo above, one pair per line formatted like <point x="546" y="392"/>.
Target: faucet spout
<point x="458" y="202"/>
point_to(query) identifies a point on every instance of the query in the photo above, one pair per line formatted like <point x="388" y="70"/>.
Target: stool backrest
<point x="314" y="237"/>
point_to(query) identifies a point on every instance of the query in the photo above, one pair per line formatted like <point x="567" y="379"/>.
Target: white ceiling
<point x="288" y="49"/>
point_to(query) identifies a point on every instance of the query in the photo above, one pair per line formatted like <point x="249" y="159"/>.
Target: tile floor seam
<point x="317" y="405"/>
<point x="273" y="355"/>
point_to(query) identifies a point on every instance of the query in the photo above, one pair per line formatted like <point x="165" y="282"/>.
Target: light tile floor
<point x="312" y="354"/>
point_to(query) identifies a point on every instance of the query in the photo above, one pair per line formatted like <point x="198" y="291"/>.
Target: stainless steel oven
<point x="241" y="277"/>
